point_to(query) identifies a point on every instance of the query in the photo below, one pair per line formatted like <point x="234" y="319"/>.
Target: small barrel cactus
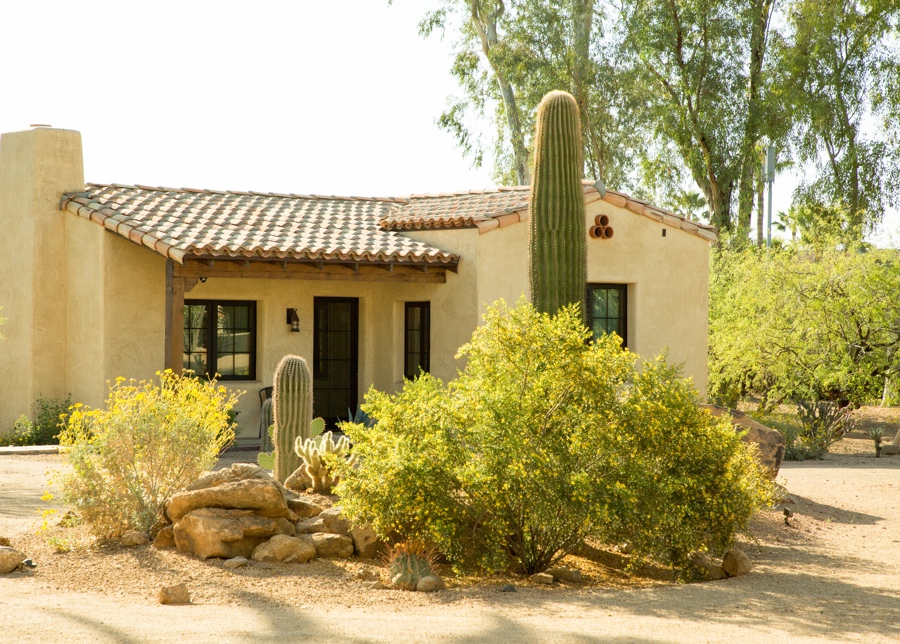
<point x="313" y="451"/>
<point x="408" y="562"/>
<point x="292" y="409"/>
<point x="557" y="255"/>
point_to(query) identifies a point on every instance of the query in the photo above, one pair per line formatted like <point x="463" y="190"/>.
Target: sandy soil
<point x="831" y="575"/>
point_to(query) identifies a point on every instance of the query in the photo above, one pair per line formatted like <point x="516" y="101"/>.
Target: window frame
<point x="623" y="307"/>
<point x="424" y="338"/>
<point x="212" y="349"/>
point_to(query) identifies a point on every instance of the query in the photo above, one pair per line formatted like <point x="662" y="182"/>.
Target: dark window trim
<point x="424" y="338"/>
<point x="623" y="290"/>
<point x="213" y="336"/>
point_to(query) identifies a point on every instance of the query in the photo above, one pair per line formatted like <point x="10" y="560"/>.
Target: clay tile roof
<point x="209" y="223"/>
<point x="489" y="209"/>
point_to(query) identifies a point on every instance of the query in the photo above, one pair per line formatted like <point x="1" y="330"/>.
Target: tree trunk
<point x="485" y="24"/>
<point x="582" y="19"/>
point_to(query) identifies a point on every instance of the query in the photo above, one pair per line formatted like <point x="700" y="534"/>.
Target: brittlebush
<point x="544" y="439"/>
<point x="150" y="441"/>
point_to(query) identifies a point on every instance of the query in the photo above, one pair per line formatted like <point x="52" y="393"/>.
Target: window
<point x="607" y="310"/>
<point x="220" y="338"/>
<point x="417" y="339"/>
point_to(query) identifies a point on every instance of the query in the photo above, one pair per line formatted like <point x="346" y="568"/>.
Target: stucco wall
<point x="36" y="168"/>
<point x="667" y="280"/>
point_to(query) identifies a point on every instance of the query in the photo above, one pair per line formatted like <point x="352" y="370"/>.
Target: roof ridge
<point x="249" y="193"/>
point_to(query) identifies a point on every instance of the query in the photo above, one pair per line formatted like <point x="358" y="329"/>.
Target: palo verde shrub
<point x="545" y="439"/>
<point x="151" y="440"/>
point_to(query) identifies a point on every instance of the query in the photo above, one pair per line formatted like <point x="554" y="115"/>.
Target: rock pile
<point x="769" y="441"/>
<point x="242" y="512"/>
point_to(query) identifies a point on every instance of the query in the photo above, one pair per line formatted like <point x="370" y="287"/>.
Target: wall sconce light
<point x="294" y="320"/>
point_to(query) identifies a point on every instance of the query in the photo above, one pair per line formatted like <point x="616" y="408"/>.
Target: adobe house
<point x="100" y="281"/>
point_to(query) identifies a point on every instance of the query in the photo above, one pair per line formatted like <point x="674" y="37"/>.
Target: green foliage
<point x="319" y="455"/>
<point x="804" y="323"/>
<point x="811" y="431"/>
<point x="149" y="442"/>
<point x="408" y="562"/>
<point x="292" y="409"/>
<point x="545" y="439"/>
<point x="557" y="256"/>
<point x="49" y="420"/>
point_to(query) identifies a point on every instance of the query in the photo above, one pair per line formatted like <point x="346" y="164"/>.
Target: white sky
<point x="304" y="96"/>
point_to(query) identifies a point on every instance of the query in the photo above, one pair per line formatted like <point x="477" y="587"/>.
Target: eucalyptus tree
<point x="840" y="64"/>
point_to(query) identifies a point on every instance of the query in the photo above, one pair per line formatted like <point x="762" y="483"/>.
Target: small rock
<point x="541" y="578"/>
<point x="562" y="573"/>
<point x="174" y="595"/>
<point x="28" y="563"/>
<point x="304" y="508"/>
<point x="508" y="588"/>
<point x="330" y="546"/>
<point x="133" y="538"/>
<point x="365" y="542"/>
<point x="235" y="562"/>
<point x="625" y="548"/>
<point x="736" y="563"/>
<point x="4" y="541"/>
<point x="285" y="549"/>
<point x="165" y="538"/>
<point x="10" y="558"/>
<point x="430" y="584"/>
<point x="714" y="571"/>
<point x="368" y="574"/>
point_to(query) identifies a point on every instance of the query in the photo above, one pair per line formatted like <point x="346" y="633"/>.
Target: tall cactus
<point x="557" y="258"/>
<point x="292" y="409"/>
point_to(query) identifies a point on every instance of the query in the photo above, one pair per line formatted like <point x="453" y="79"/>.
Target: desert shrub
<point x="545" y="439"/>
<point x="150" y="441"/>
<point x="811" y="431"/>
<point x="49" y="420"/>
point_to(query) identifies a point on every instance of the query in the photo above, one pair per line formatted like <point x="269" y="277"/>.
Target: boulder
<point x="165" y="538"/>
<point x="304" y="508"/>
<point x="174" y="595"/>
<point x="334" y="522"/>
<point x="330" y="546"/>
<point x="299" y="481"/>
<point x="285" y="549"/>
<point x="714" y="571"/>
<point x="262" y="496"/>
<point x="366" y="543"/>
<point x="736" y="563"/>
<point x="769" y="441"/>
<point x="430" y="584"/>
<point x="542" y="578"/>
<point x="133" y="538"/>
<point x="10" y="558"/>
<point x="217" y="532"/>
<point x="562" y="573"/>
<point x="237" y="472"/>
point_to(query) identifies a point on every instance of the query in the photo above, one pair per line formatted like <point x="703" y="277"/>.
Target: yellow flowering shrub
<point x="544" y="439"/>
<point x="150" y="441"/>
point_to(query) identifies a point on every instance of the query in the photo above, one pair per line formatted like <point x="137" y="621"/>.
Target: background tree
<point x="838" y="62"/>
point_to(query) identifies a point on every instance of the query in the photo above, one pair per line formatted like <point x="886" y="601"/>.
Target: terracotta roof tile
<point x="490" y="209"/>
<point x="180" y="222"/>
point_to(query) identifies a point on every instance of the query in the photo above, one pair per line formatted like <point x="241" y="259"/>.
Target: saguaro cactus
<point x="557" y="258"/>
<point x="292" y="409"/>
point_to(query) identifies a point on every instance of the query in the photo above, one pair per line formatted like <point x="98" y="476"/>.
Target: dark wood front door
<point x="336" y="357"/>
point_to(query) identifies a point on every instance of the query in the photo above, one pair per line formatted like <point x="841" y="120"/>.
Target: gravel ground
<point x="830" y="575"/>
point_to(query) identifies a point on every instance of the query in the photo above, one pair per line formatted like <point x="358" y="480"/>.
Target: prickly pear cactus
<point x="313" y="451"/>
<point x="557" y="258"/>
<point x="292" y="404"/>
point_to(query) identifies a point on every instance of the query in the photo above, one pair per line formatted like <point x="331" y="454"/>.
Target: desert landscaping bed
<point x="831" y="573"/>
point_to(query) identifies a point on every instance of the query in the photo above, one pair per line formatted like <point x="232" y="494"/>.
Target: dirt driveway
<point x="833" y="575"/>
